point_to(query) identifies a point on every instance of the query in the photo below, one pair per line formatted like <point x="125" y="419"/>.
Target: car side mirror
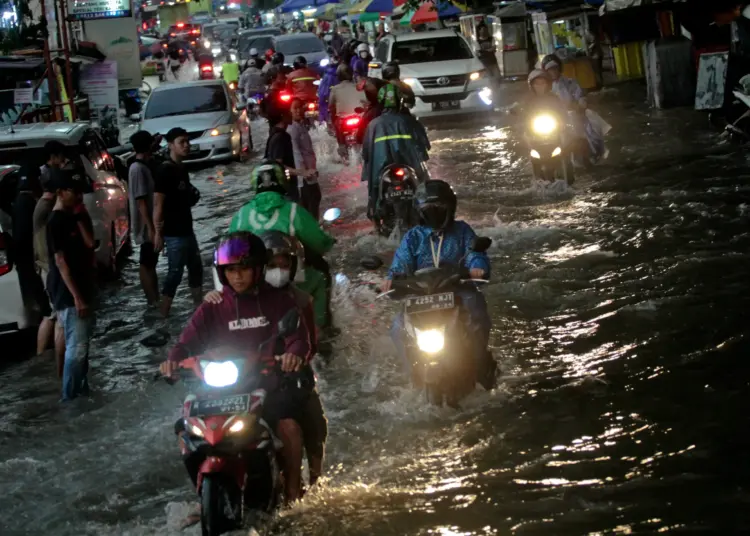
<point x="135" y="117"/>
<point x="481" y="244"/>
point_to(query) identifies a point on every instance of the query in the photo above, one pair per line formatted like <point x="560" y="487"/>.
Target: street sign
<point x="23" y="95"/>
<point x="99" y="9"/>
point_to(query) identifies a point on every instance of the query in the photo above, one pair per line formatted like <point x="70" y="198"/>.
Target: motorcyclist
<point x="570" y="93"/>
<point x="392" y="73"/>
<point x="277" y="60"/>
<point x="360" y="63"/>
<point x="441" y="240"/>
<point x="255" y="56"/>
<point x="344" y="100"/>
<point x="230" y="71"/>
<point x="302" y="81"/>
<point x="247" y="317"/>
<point x="252" y="80"/>
<point x="390" y="139"/>
<point x="271" y="210"/>
<point x="371" y="87"/>
<point x="327" y="82"/>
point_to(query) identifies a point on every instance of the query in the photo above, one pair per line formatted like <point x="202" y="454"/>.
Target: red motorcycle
<point x="347" y="133"/>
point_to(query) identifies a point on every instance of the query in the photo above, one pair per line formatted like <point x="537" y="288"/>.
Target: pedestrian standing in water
<point x="141" y="201"/>
<point x="304" y="158"/>
<point x="174" y="197"/>
<point x="280" y="148"/>
<point x="71" y="282"/>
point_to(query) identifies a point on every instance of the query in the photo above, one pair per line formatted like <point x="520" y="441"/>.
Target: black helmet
<point x="395" y="173"/>
<point x="278" y="243"/>
<point x="240" y="248"/>
<point x="300" y="62"/>
<point x="277" y="58"/>
<point x="344" y="72"/>
<point x="435" y="202"/>
<point x="269" y="176"/>
<point x="549" y="60"/>
<point x="391" y="71"/>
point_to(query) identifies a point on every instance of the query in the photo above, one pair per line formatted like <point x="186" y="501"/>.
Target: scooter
<point x="438" y="345"/>
<point x="395" y="211"/>
<point x="550" y="158"/>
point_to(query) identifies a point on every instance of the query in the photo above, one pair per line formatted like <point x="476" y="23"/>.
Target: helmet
<point x="242" y="248"/>
<point x="344" y="72"/>
<point x="389" y="96"/>
<point x="300" y="62"/>
<point x="538" y="73"/>
<point x="253" y="52"/>
<point x="269" y="176"/>
<point x="435" y="202"/>
<point x="550" y="61"/>
<point x="278" y="243"/>
<point x="362" y="47"/>
<point x="391" y="71"/>
<point x="277" y="58"/>
<point x="398" y="173"/>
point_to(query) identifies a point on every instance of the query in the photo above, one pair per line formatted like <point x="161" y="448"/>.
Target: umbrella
<point x="428" y="12"/>
<point x="383" y="6"/>
<point x="296" y="5"/>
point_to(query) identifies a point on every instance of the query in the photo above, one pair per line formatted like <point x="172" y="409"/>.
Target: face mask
<point x="363" y="55"/>
<point x="277" y="277"/>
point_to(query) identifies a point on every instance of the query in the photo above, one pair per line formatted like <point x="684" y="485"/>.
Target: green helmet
<point x="269" y="176"/>
<point x="390" y="96"/>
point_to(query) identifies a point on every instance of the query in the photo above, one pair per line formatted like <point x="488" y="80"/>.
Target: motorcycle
<point x="311" y="113"/>
<point x="395" y="210"/>
<point x="438" y="345"/>
<point x="550" y="158"/>
<point x="222" y="426"/>
<point x="253" y="105"/>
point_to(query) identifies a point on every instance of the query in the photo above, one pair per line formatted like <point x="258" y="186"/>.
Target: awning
<point x="359" y="7"/>
<point x="369" y="17"/>
<point x="298" y="5"/>
<point x="430" y="12"/>
<point x="326" y="12"/>
<point x="384" y="6"/>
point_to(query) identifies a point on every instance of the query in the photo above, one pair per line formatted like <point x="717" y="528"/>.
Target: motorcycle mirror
<point x="481" y="244"/>
<point x="371" y="262"/>
<point x="359" y="110"/>
<point x="331" y="214"/>
<point x="289" y="323"/>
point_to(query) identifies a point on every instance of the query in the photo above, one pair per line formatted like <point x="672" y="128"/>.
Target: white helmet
<point x="363" y="47"/>
<point x="253" y="52"/>
<point x="538" y="73"/>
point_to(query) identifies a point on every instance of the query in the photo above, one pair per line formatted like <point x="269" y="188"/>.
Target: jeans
<point x="182" y="251"/>
<point x="78" y="332"/>
<point x="478" y="325"/>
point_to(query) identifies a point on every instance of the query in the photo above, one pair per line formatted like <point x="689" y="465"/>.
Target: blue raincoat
<point x="324" y="90"/>
<point x="569" y="91"/>
<point x="360" y="66"/>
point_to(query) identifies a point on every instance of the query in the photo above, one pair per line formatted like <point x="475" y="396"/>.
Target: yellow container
<point x="629" y="60"/>
<point x="581" y="70"/>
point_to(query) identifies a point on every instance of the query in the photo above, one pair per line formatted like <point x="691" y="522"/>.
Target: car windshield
<point x="261" y="42"/>
<point x="430" y="50"/>
<point x="299" y="45"/>
<point x="186" y="100"/>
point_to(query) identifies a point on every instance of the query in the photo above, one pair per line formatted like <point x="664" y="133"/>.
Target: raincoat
<point x="271" y="211"/>
<point x="324" y="89"/>
<point x="569" y="91"/>
<point x="314" y="283"/>
<point x="360" y="66"/>
<point x="391" y="139"/>
<point x="301" y="82"/>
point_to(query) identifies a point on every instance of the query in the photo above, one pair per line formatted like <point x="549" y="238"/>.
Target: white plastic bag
<point x="598" y="122"/>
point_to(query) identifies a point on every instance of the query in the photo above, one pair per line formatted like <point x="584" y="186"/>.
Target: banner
<point x="118" y="40"/>
<point x="98" y="9"/>
<point x="99" y="83"/>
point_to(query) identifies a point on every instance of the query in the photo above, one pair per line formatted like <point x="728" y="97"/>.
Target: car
<point x="258" y="38"/>
<point x="107" y="204"/>
<point x="442" y="70"/>
<point x="183" y="30"/>
<point x="302" y="44"/>
<point x="206" y="109"/>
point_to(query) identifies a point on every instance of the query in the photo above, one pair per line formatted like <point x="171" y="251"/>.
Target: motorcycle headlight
<point x="207" y="43"/>
<point x="220" y="373"/>
<point x="324" y="62"/>
<point x="535" y="154"/>
<point x="557" y="151"/>
<point x="544" y="124"/>
<point x="215" y="51"/>
<point x="237" y="427"/>
<point x="223" y="129"/>
<point x="430" y="341"/>
<point x="196" y="431"/>
<point x="233" y="57"/>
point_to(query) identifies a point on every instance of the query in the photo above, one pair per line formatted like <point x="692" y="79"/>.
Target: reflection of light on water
<point x="494" y="133"/>
<point x="569" y="251"/>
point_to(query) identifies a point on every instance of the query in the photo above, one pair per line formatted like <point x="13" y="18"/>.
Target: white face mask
<point x="277" y="277"/>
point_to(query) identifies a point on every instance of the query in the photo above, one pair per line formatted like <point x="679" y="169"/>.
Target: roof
<point x="37" y="134"/>
<point x="261" y="31"/>
<point x="418" y="36"/>
<point x="192" y="83"/>
<point x="292" y="37"/>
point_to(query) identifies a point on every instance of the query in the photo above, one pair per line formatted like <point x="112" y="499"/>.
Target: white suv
<point x="446" y="76"/>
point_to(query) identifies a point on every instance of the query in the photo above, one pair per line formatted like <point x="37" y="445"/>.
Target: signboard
<point x="99" y="82"/>
<point x="118" y="40"/>
<point x="712" y="78"/>
<point x="99" y="9"/>
<point x="23" y="95"/>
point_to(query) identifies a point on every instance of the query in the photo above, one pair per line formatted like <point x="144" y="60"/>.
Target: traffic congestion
<point x="325" y="284"/>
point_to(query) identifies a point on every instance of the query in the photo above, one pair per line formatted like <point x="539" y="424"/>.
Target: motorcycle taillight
<point x="399" y="173"/>
<point x="311" y="106"/>
<point x="285" y="97"/>
<point x="352" y="121"/>
<point x="207" y="68"/>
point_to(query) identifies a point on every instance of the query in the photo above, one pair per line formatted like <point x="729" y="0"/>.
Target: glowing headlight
<point x="233" y="57"/>
<point x="316" y="83"/>
<point x="207" y="43"/>
<point x="557" y="151"/>
<point x="220" y="374"/>
<point x="544" y="124"/>
<point x="486" y="95"/>
<point x="223" y="129"/>
<point x="430" y="341"/>
<point x="238" y="426"/>
<point x="215" y="51"/>
<point x="196" y="431"/>
<point x="324" y="62"/>
<point x="535" y="154"/>
<point x="475" y="76"/>
<point x="410" y="81"/>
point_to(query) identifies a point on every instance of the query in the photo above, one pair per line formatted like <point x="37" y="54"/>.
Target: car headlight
<point x="557" y="151"/>
<point x="535" y="154"/>
<point x="430" y="341"/>
<point x="410" y="81"/>
<point x="220" y="374"/>
<point x="215" y="51"/>
<point x="476" y="76"/>
<point x="544" y="124"/>
<point x="196" y="431"/>
<point x="324" y="62"/>
<point x="233" y="57"/>
<point x="238" y="426"/>
<point x="223" y="129"/>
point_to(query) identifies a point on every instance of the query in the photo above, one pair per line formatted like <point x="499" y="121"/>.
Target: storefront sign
<point x="118" y="40"/>
<point x="99" y="9"/>
<point x="99" y="83"/>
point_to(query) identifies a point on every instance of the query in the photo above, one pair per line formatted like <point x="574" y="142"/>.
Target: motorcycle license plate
<point x="446" y="105"/>
<point x="433" y="302"/>
<point x="399" y="194"/>
<point x="220" y="406"/>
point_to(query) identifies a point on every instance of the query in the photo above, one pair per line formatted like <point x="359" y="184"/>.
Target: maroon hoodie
<point x="243" y="321"/>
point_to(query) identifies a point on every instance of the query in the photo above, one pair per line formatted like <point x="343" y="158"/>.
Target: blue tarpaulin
<point x="296" y="5"/>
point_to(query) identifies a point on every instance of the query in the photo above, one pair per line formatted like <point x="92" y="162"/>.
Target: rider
<point x="270" y="209"/>
<point x="247" y="317"/>
<point x="277" y="60"/>
<point x="328" y="81"/>
<point x="301" y="81"/>
<point x="344" y="100"/>
<point x="230" y="71"/>
<point x="392" y="74"/>
<point x="390" y="139"/>
<point x="255" y="57"/>
<point x="252" y="79"/>
<point x="440" y="239"/>
<point x="360" y="63"/>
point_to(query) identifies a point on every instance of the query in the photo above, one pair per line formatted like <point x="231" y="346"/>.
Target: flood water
<point x="620" y="312"/>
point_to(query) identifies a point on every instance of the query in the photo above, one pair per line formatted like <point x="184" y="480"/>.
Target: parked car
<point x="258" y="38"/>
<point x="107" y="204"/>
<point x="302" y="44"/>
<point x="446" y="76"/>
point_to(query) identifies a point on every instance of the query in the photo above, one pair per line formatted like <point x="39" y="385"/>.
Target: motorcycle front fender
<point x="233" y="468"/>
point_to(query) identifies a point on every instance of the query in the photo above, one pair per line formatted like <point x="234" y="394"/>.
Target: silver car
<point x="107" y="204"/>
<point x="206" y="110"/>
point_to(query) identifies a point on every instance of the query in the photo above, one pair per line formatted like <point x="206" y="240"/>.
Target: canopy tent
<point x="326" y="12"/>
<point x="359" y="7"/>
<point x="369" y="17"/>
<point x="429" y="12"/>
<point x="297" y="5"/>
<point x="383" y="6"/>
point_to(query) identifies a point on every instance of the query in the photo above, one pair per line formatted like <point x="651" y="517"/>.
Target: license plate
<point x="220" y="406"/>
<point x="399" y="194"/>
<point x="446" y="105"/>
<point x="433" y="302"/>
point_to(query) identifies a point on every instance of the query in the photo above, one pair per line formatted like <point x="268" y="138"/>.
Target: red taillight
<point x="180" y="24"/>
<point x="399" y="172"/>
<point x="285" y="97"/>
<point x="352" y="121"/>
<point x="207" y="68"/>
<point x="172" y="35"/>
<point x="311" y="106"/>
<point x="5" y="265"/>
<point x="196" y="32"/>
